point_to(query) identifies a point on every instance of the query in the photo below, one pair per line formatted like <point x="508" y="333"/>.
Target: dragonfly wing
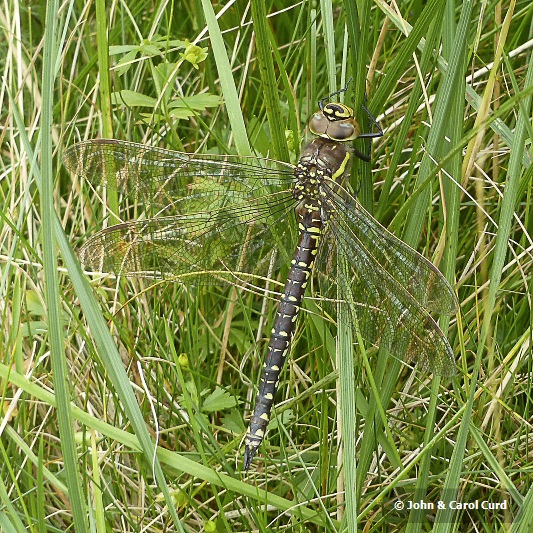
<point x="205" y="247"/>
<point x="390" y="288"/>
<point x="412" y="271"/>
<point x="175" y="182"/>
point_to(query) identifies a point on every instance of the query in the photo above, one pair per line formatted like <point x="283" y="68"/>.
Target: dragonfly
<point x="230" y="219"/>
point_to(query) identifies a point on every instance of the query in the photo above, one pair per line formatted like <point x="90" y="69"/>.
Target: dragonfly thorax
<point x="321" y="162"/>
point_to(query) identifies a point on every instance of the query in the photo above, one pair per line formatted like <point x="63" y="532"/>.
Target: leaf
<point x="218" y="400"/>
<point x="126" y="62"/>
<point x="150" y="50"/>
<point x="198" y="102"/>
<point x="233" y="422"/>
<point x="34" y="304"/>
<point x="181" y="113"/>
<point x="31" y="328"/>
<point x="176" y="43"/>
<point x="284" y="418"/>
<point x="132" y="99"/>
<point x="123" y="49"/>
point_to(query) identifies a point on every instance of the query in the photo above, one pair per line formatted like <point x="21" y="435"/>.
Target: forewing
<point x="171" y="182"/>
<point x="412" y="271"/>
<point x="203" y="212"/>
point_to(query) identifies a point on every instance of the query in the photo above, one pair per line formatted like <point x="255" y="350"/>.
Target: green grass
<point x="96" y="377"/>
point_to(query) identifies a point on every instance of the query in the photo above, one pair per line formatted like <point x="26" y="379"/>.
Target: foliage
<point x="451" y="85"/>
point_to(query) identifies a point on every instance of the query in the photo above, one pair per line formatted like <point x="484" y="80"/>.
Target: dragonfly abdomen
<point x="311" y="228"/>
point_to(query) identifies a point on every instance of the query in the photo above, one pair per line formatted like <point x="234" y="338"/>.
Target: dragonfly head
<point x="336" y="122"/>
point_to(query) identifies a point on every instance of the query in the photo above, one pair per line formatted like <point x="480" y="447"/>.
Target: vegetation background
<point x="96" y="379"/>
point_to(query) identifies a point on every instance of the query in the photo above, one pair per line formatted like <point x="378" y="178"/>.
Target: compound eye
<point x="346" y="130"/>
<point x="318" y="124"/>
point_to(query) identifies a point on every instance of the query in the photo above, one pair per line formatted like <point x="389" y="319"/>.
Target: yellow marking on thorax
<point x="342" y="168"/>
